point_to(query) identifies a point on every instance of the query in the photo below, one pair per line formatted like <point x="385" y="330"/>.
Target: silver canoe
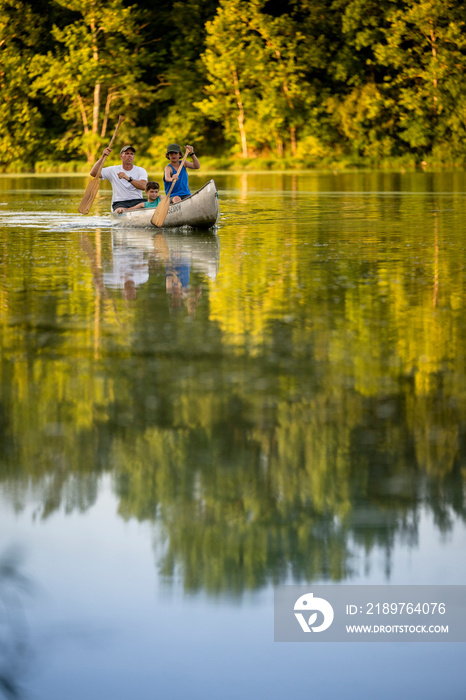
<point x="200" y="210"/>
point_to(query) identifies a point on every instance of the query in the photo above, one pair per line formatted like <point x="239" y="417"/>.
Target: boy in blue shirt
<point x="152" y="190"/>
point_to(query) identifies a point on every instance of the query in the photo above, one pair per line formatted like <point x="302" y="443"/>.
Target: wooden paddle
<point x="162" y="209"/>
<point x="93" y="187"/>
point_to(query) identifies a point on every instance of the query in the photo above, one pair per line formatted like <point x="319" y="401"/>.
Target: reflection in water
<point x="177" y="261"/>
<point x="15" y="654"/>
<point x="304" y="417"/>
<point x="301" y="490"/>
<point x="94" y="255"/>
<point x="180" y="253"/>
<point x="130" y="270"/>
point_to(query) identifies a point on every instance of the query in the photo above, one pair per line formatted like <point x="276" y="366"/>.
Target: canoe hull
<point x="200" y="210"/>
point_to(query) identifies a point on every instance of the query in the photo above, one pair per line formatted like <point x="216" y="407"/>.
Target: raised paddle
<point x="162" y="209"/>
<point x="93" y="187"/>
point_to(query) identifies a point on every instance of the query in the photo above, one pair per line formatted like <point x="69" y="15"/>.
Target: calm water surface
<point x="187" y="420"/>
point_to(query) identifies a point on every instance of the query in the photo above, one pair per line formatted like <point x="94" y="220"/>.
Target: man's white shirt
<point x="121" y="188"/>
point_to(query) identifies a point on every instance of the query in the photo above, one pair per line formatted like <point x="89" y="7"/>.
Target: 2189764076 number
<point x="406" y="608"/>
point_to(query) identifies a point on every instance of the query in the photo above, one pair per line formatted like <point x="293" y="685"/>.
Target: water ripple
<point x="52" y="220"/>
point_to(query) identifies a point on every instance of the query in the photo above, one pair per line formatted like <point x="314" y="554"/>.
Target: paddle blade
<point x="89" y="196"/>
<point x="161" y="212"/>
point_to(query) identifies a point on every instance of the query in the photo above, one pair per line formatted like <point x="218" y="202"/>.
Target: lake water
<point x="188" y="420"/>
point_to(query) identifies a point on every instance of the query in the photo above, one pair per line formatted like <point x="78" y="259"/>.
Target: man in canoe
<point x="152" y="190"/>
<point x="128" y="180"/>
<point x="181" y="189"/>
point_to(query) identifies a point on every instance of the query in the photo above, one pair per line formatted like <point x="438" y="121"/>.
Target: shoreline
<point x="335" y="170"/>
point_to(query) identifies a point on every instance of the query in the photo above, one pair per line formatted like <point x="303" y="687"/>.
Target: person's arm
<point x="195" y="165"/>
<point x="138" y="184"/>
<point x="169" y="174"/>
<point x="120" y="210"/>
<point x="95" y="167"/>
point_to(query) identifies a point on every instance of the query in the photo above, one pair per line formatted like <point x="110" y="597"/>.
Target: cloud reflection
<point x="15" y="649"/>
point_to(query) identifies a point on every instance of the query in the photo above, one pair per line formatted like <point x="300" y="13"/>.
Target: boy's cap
<point x="127" y="148"/>
<point x="173" y="148"/>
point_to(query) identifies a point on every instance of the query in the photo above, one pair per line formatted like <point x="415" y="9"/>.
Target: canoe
<point x="200" y="210"/>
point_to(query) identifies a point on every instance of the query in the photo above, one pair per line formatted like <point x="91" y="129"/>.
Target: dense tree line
<point x="302" y="81"/>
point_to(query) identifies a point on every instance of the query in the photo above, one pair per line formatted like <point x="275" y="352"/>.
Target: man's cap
<point x="127" y="148"/>
<point x="173" y="148"/>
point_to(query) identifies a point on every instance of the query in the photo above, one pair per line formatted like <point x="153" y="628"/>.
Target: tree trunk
<point x="95" y="110"/>
<point x="82" y="109"/>
<point x="279" y="145"/>
<point x="110" y="96"/>
<point x="242" y="130"/>
<point x="96" y="103"/>
<point x="293" y="140"/>
<point x="433" y="39"/>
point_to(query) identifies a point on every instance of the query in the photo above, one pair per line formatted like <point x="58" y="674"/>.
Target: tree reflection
<point x="303" y="417"/>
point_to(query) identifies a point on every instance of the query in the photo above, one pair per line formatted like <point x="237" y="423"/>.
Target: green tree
<point x="327" y="67"/>
<point x="179" y="37"/>
<point x="424" y="48"/>
<point x="231" y="61"/>
<point x="93" y="71"/>
<point x="21" y="124"/>
<point x="281" y="72"/>
<point x="360" y="106"/>
<point x="255" y="66"/>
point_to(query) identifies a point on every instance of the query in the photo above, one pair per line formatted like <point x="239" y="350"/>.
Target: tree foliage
<point x="94" y="70"/>
<point x="300" y="81"/>
<point x="21" y="123"/>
